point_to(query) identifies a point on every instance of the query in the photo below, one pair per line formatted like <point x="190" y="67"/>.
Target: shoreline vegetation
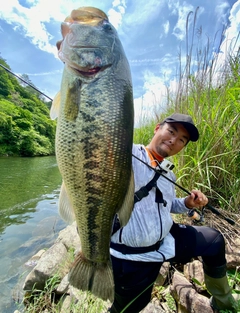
<point x="208" y="90"/>
<point x="26" y="129"/>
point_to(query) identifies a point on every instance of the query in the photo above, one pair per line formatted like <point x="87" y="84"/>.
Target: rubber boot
<point x="217" y="284"/>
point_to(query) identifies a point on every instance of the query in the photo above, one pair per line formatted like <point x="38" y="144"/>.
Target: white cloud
<point x="44" y="73"/>
<point x="142" y="11"/>
<point x="173" y="6"/>
<point x="233" y="30"/>
<point x="115" y="18"/>
<point x="180" y="28"/>
<point x="116" y="3"/>
<point x="140" y="62"/>
<point x="166" y="27"/>
<point x="220" y="9"/>
<point x="231" y="43"/>
<point x="32" y="21"/>
<point x="116" y="13"/>
<point x="153" y="101"/>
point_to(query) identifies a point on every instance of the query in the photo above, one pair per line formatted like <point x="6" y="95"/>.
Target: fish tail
<point x="94" y="277"/>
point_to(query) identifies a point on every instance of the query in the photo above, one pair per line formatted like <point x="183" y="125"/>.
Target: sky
<point x="152" y="32"/>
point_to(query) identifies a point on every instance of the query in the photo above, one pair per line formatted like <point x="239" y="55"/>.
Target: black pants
<point x="134" y="280"/>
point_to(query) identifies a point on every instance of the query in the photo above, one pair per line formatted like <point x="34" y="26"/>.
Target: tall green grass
<point x="209" y="91"/>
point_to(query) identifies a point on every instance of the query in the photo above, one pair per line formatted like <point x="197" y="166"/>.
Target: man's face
<point x="169" y="139"/>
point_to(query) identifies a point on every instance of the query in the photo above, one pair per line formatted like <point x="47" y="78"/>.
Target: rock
<point x="163" y="273"/>
<point x="34" y="259"/>
<point x="69" y="237"/>
<point x="63" y="287"/>
<point x="194" y="270"/>
<point x="153" y="308"/>
<point x="233" y="254"/>
<point x="188" y="300"/>
<point x="47" y="266"/>
<point x="66" y="304"/>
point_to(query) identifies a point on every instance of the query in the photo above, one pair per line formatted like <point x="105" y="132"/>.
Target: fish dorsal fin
<point x="54" y="111"/>
<point x="65" y="207"/>
<point x="126" y="210"/>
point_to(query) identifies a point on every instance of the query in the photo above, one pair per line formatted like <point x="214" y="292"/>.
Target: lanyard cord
<point x="161" y="173"/>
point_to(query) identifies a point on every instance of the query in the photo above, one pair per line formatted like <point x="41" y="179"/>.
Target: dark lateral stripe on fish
<point x="94" y="192"/>
<point x="91" y="164"/>
<point x="85" y="139"/>
<point x="93" y="201"/>
<point x="95" y="103"/>
<point x="93" y="231"/>
<point x="94" y="177"/>
<point x="87" y="117"/>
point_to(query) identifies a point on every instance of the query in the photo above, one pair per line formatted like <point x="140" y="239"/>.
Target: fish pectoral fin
<point x="65" y="207"/>
<point x="54" y="111"/>
<point x="94" y="277"/>
<point x="127" y="207"/>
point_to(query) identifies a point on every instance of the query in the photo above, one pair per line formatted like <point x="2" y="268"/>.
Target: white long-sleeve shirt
<point x="150" y="222"/>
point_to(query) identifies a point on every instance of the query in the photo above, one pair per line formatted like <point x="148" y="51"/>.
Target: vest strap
<point x="144" y="191"/>
<point x="135" y="250"/>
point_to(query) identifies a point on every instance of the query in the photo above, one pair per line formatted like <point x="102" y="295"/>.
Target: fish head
<point x="90" y="43"/>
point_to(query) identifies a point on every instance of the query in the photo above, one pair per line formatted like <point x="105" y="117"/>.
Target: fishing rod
<point x="9" y="71"/>
<point x="192" y="213"/>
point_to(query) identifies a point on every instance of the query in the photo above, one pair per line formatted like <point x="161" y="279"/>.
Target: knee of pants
<point x="214" y="255"/>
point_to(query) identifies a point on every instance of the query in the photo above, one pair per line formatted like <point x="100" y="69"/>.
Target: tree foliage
<point x="25" y="126"/>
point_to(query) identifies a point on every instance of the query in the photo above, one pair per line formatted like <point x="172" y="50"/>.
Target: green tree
<point x="25" y="125"/>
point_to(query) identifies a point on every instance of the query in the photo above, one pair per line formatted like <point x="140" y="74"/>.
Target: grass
<point x="234" y="282"/>
<point x="48" y="300"/>
<point x="211" y="95"/>
<point x="44" y="300"/>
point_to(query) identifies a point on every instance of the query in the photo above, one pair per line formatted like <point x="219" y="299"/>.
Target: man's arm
<point x="195" y="200"/>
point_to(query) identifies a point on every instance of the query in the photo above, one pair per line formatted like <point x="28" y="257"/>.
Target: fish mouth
<point x="89" y="72"/>
<point x="87" y="61"/>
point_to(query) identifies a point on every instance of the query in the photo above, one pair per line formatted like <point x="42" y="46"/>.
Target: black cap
<point x="187" y="122"/>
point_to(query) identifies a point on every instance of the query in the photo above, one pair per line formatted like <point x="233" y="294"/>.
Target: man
<point x="150" y="237"/>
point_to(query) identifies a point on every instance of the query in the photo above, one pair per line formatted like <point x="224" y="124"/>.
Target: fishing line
<point x="9" y="71"/>
<point x="211" y="208"/>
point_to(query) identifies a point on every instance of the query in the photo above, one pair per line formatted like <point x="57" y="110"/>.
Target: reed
<point x="209" y="91"/>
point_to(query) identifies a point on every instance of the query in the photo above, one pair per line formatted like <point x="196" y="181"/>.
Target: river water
<point x="29" y="220"/>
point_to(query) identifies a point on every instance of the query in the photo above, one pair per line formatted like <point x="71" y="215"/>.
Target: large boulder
<point x="48" y="265"/>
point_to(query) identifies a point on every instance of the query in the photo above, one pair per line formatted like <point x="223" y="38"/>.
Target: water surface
<point x="29" y="220"/>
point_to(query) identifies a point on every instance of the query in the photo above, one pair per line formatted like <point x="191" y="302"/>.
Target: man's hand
<point x="196" y="199"/>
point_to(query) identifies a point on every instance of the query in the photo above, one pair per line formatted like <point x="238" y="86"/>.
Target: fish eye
<point x="106" y="25"/>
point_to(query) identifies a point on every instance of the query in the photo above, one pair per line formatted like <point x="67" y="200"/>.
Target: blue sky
<point x="152" y="33"/>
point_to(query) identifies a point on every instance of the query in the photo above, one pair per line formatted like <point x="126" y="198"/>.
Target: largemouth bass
<point x="94" y="142"/>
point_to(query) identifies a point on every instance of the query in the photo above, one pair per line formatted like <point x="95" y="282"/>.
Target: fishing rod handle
<point x="194" y="215"/>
